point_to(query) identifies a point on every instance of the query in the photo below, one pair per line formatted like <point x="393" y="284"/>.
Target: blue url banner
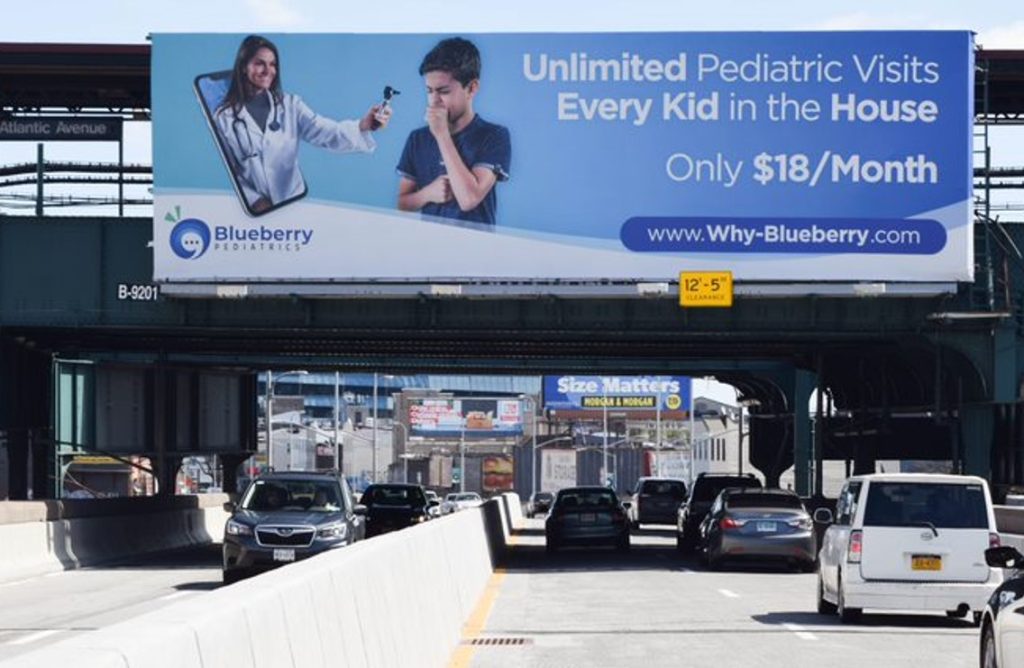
<point x="894" y="236"/>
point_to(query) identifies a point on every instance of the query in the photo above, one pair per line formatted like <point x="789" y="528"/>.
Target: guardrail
<point x="397" y="600"/>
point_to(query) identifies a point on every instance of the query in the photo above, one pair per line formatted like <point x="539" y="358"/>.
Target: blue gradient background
<point x="587" y="178"/>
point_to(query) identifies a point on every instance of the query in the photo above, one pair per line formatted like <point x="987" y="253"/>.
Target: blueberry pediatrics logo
<point x="190" y="238"/>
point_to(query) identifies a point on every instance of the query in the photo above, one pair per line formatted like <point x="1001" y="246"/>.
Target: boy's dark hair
<point x="456" y="56"/>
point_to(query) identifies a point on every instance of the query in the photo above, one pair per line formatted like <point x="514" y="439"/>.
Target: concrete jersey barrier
<point x="397" y="600"/>
<point x="46" y="536"/>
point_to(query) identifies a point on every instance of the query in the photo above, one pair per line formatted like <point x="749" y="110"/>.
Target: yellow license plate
<point x="926" y="563"/>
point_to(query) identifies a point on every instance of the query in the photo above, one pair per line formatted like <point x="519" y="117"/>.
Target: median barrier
<point x="46" y="536"/>
<point x="399" y="600"/>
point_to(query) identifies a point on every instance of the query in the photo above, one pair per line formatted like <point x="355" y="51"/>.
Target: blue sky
<point x="1000" y="23"/>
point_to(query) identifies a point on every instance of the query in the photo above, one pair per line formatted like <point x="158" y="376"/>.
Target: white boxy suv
<point x="908" y="541"/>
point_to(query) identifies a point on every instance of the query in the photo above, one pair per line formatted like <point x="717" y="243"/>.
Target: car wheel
<point x="824" y="607"/>
<point x="988" y="648"/>
<point x="623" y="544"/>
<point x="550" y="546"/>
<point x="847" y="615"/>
<point x="809" y="566"/>
<point x="231" y="577"/>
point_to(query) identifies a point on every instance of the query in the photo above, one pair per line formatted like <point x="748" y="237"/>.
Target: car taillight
<point x="729" y="523"/>
<point x="856" y="547"/>
<point x="994" y="540"/>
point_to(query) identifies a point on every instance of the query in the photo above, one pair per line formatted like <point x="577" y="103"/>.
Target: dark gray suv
<point x="286" y="516"/>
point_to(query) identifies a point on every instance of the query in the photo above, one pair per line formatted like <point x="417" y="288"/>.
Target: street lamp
<point x="533" y="447"/>
<point x="270" y="410"/>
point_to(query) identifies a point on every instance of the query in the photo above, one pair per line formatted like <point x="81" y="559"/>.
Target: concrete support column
<point x="803" y="384"/>
<point x="977" y="426"/>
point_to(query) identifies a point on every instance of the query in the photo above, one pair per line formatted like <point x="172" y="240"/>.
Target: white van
<point x="908" y="541"/>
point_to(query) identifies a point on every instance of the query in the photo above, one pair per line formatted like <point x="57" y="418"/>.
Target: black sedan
<point x="587" y="516"/>
<point x="394" y="506"/>
<point x="284" y="517"/>
<point x="539" y="503"/>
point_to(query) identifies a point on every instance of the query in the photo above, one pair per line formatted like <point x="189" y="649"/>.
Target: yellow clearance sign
<point x="705" y="288"/>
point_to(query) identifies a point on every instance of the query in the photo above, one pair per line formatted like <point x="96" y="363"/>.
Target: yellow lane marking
<point x="463" y="655"/>
<point x="477" y="621"/>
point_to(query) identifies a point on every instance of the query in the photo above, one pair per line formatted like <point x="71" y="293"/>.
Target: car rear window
<point x="950" y="506"/>
<point x="787" y="501"/>
<point x="706" y="489"/>
<point x="585" y="499"/>
<point x="670" y="488"/>
<point x="394" y="496"/>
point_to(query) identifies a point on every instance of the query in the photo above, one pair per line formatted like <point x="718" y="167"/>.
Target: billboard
<point x="628" y="156"/>
<point x="558" y="470"/>
<point x="468" y="418"/>
<point x="497" y="473"/>
<point x="619" y="393"/>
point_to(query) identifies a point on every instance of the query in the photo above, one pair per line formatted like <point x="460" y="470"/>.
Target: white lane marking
<point x="13" y="583"/>
<point x="728" y="594"/>
<point x="54" y="574"/>
<point x="800" y="632"/>
<point x="32" y="637"/>
<point x="177" y="594"/>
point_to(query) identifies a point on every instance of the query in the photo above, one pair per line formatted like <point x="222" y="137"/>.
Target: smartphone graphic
<point x="240" y="147"/>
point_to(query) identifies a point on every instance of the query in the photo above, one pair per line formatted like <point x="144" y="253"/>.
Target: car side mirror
<point x="823" y="516"/>
<point x="229" y="506"/>
<point x="1004" y="557"/>
<point x="359" y="509"/>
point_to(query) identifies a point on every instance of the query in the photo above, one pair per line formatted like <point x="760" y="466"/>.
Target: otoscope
<point x="389" y="93"/>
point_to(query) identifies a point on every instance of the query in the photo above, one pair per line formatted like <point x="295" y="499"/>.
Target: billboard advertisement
<point x="557" y="470"/>
<point x="619" y="393"/>
<point x="344" y="158"/>
<point x="469" y="418"/>
<point x="497" y="472"/>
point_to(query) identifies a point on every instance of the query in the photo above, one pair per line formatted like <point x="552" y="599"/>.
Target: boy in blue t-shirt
<point x="449" y="167"/>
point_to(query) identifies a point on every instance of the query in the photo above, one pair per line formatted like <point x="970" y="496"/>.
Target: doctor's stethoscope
<point x="247" y="154"/>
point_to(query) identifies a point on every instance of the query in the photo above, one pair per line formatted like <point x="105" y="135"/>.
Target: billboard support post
<point x="462" y="460"/>
<point x="657" y="436"/>
<point x="604" y="409"/>
<point x="533" y="443"/>
<point x="337" y="416"/>
<point x="373" y="463"/>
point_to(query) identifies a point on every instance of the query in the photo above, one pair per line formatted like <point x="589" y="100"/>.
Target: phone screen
<point x="243" y="148"/>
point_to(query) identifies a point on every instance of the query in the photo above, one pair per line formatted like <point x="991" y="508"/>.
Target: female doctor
<point x="260" y="126"/>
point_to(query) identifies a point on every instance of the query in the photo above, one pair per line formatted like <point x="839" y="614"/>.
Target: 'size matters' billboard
<point x="354" y="158"/>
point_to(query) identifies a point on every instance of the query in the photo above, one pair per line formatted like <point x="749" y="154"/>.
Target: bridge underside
<point x="901" y="379"/>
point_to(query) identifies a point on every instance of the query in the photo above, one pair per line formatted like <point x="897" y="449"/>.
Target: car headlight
<point x="233" y="528"/>
<point x="335" y="531"/>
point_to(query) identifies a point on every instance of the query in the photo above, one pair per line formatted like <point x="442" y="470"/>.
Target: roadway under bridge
<point x="905" y="371"/>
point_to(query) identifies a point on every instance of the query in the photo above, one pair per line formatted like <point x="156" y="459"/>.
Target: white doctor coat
<point x="266" y="163"/>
